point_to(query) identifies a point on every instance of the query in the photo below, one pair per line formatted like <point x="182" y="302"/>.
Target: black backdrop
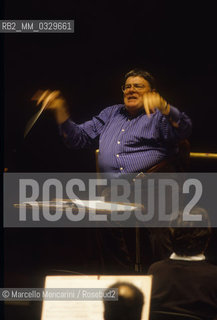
<point x="173" y="40"/>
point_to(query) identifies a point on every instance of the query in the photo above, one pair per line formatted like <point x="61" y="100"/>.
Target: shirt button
<point x="119" y="142"/>
<point x="122" y="130"/>
<point x="121" y="168"/>
<point x="117" y="155"/>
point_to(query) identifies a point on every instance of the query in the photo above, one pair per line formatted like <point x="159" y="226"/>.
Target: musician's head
<point x="189" y="238"/>
<point x="129" y="305"/>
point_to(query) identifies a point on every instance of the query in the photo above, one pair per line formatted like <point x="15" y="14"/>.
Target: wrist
<point x="62" y="114"/>
<point x="166" y="108"/>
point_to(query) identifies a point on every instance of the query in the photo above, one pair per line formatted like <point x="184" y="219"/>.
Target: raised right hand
<point x="53" y="100"/>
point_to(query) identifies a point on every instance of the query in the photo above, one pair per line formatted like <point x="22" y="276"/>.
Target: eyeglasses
<point x="135" y="86"/>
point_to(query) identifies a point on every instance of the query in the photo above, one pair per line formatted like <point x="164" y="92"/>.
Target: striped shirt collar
<point x="198" y="257"/>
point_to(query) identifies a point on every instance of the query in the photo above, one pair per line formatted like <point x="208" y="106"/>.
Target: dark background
<point x="175" y="41"/>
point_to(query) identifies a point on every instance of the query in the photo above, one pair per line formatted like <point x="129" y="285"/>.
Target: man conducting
<point x="133" y="136"/>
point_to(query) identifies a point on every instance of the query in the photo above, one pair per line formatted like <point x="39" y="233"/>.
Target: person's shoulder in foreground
<point x="186" y="282"/>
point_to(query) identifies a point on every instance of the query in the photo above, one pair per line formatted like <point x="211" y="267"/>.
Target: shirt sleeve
<point x="84" y="135"/>
<point x="180" y="130"/>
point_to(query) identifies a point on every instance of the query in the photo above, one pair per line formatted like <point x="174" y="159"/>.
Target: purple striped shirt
<point x="128" y="145"/>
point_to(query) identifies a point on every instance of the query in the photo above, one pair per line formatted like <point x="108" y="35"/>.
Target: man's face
<point x="135" y="87"/>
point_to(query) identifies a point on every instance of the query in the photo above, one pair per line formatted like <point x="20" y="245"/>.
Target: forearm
<point x="74" y="136"/>
<point x="61" y="114"/>
<point x="181" y="122"/>
<point x="176" y="125"/>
